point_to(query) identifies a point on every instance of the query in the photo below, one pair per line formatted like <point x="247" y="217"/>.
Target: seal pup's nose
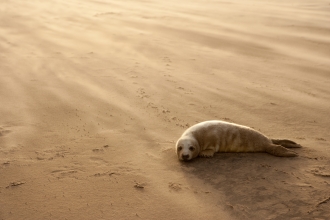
<point x="185" y="156"/>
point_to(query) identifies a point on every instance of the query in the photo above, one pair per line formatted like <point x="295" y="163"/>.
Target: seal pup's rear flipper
<point x="279" y="151"/>
<point x="286" y="143"/>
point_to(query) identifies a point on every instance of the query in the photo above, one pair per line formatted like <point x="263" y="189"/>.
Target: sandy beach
<point x="95" y="93"/>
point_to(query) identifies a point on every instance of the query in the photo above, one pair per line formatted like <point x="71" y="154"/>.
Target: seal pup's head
<point x="187" y="148"/>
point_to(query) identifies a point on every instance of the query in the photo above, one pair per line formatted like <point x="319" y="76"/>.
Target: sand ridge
<point x="94" y="95"/>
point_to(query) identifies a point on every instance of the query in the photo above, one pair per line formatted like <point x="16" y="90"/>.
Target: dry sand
<point x="94" y="95"/>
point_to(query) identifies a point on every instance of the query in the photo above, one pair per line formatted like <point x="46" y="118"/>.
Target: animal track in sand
<point x="74" y="171"/>
<point x="6" y="163"/>
<point x="189" y="92"/>
<point x="53" y="153"/>
<point x="4" y="132"/>
<point x="108" y="173"/>
<point x="13" y="184"/>
<point x="60" y="174"/>
<point x="106" y="14"/>
<point x="141" y="93"/>
<point x="139" y="185"/>
<point x="101" y="149"/>
<point x="98" y="150"/>
<point x="175" y="186"/>
<point x="167" y="60"/>
<point x="98" y="160"/>
<point x="322" y="171"/>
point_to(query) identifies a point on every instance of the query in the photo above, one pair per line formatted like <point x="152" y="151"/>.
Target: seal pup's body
<point x="206" y="138"/>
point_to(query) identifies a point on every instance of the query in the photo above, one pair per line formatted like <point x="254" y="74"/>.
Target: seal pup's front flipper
<point x="207" y="153"/>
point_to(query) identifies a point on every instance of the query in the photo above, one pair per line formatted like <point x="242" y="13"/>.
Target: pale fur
<point x="206" y="138"/>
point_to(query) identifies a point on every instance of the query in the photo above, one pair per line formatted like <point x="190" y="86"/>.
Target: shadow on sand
<point x="261" y="186"/>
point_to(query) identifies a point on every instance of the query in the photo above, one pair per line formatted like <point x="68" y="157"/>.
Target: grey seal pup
<point x="208" y="137"/>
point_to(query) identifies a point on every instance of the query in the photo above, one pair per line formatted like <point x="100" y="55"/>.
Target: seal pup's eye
<point x="191" y="148"/>
<point x="179" y="148"/>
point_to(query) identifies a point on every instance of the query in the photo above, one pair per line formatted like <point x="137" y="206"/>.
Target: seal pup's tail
<point x="286" y="143"/>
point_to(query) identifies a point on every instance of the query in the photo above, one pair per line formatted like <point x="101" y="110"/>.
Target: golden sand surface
<point x="95" y="93"/>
